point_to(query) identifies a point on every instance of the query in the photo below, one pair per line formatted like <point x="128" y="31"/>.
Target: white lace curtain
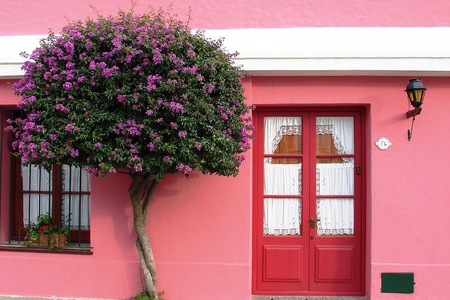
<point x="335" y="215"/>
<point x="74" y="180"/>
<point x="282" y="216"/>
<point x="77" y="205"/>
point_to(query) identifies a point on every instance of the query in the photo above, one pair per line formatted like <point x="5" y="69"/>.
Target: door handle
<point x="312" y="222"/>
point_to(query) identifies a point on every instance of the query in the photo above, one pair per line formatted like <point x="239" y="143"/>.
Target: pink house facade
<point x="332" y="70"/>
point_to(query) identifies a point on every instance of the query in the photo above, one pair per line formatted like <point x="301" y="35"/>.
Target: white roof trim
<point x="335" y="51"/>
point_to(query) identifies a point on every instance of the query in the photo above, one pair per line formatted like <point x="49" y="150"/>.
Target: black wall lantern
<point x="416" y="92"/>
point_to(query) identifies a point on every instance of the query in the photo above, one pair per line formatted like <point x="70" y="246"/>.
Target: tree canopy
<point x="142" y="93"/>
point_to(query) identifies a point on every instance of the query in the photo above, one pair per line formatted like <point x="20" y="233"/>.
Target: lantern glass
<point x="416" y="91"/>
<point x="416" y="97"/>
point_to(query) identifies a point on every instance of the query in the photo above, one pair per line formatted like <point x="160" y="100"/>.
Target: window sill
<point x="14" y="246"/>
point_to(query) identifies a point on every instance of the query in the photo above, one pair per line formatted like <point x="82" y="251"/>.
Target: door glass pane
<point x="282" y="216"/>
<point x="282" y="179"/>
<point x="341" y="132"/>
<point x="275" y="128"/>
<point x="335" y="216"/>
<point x="335" y="179"/>
<point x="282" y="175"/>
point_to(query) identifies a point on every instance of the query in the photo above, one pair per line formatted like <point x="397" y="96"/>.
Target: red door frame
<point x="301" y="286"/>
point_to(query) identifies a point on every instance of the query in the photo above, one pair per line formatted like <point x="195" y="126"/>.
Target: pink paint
<point x="7" y="98"/>
<point x="19" y="17"/>
<point x="201" y="227"/>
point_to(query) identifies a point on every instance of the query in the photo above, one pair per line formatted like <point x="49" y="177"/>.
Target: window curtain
<point x="282" y="216"/>
<point x="276" y="127"/>
<point x="342" y="131"/>
<point x="75" y="204"/>
<point x="35" y="178"/>
<point x="336" y="215"/>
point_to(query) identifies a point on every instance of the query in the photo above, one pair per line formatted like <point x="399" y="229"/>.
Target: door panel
<point x="308" y="204"/>
<point x="334" y="264"/>
<point x="283" y="263"/>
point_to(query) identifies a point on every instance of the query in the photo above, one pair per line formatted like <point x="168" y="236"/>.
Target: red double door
<point x="308" y="206"/>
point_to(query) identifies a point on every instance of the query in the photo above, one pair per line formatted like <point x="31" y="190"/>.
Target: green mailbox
<point x="397" y="283"/>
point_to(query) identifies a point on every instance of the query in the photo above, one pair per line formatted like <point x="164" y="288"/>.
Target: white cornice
<point x="334" y="51"/>
<point x="381" y="51"/>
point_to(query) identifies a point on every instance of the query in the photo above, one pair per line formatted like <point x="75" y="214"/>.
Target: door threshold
<point x="309" y="298"/>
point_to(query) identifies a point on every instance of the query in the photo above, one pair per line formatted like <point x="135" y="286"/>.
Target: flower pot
<point x="57" y="240"/>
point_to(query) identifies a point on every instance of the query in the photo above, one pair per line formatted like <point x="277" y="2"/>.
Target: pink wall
<point x="19" y="17"/>
<point x="201" y="227"/>
<point x="7" y="98"/>
<point x="201" y="245"/>
<point x="407" y="198"/>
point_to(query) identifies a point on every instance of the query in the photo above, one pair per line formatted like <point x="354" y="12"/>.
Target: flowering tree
<point x="139" y="94"/>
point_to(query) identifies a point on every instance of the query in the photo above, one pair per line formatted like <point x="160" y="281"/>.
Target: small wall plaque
<point x="383" y="143"/>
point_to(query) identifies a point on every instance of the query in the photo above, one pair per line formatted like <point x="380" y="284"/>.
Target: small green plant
<point x="145" y="296"/>
<point x="46" y="232"/>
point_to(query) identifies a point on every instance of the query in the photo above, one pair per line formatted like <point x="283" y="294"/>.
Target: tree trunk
<point x="141" y="191"/>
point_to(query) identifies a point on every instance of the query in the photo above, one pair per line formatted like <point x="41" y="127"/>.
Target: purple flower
<point x="157" y="58"/>
<point x="210" y="88"/>
<point x="98" y="144"/>
<point x="182" y="134"/>
<point x="149" y="112"/>
<point x="138" y="168"/>
<point x="74" y="152"/>
<point x="29" y="126"/>
<point x="190" y="70"/>
<point x="121" y="98"/>
<point x="92" y="65"/>
<point x="152" y="80"/>
<point x="67" y="85"/>
<point x="69" y="127"/>
<point x="69" y="47"/>
<point x="62" y="108"/>
<point x="182" y="168"/>
<point x="176" y="107"/>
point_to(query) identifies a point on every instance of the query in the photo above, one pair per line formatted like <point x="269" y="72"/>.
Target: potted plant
<point x="45" y="232"/>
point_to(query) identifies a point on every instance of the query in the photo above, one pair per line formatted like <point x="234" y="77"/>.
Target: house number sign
<point x="383" y="143"/>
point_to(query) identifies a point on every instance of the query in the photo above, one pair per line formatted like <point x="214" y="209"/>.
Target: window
<point x="62" y="193"/>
